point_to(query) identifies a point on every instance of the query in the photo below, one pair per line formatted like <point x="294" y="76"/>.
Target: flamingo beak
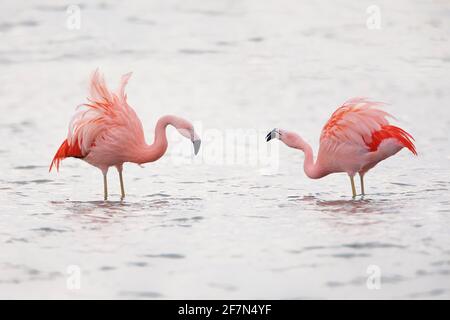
<point x="274" y="134"/>
<point x="196" y="144"/>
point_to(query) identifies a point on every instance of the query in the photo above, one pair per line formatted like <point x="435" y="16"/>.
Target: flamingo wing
<point x="392" y="132"/>
<point x="104" y="111"/>
<point x="360" y="123"/>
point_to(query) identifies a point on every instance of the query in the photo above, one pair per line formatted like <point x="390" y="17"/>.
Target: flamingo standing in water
<point x="107" y="132"/>
<point x="354" y="140"/>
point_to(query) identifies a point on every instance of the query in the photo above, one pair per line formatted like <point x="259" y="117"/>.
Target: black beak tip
<point x="196" y="144"/>
<point x="271" y="135"/>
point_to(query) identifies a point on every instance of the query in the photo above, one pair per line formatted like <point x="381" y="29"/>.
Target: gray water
<point x="207" y="228"/>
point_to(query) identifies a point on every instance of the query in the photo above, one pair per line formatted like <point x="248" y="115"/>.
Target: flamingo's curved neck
<point x="312" y="170"/>
<point x="157" y="149"/>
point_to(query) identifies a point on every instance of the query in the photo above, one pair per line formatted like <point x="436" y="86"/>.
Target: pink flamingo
<point x="354" y="140"/>
<point x="107" y="132"/>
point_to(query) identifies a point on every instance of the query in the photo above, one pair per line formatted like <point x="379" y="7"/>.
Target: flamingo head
<point x="186" y="129"/>
<point x="289" y="138"/>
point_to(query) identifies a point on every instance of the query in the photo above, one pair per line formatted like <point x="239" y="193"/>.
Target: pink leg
<point x="122" y="188"/>
<point x="352" y="181"/>
<point x="105" y="186"/>
<point x="361" y="177"/>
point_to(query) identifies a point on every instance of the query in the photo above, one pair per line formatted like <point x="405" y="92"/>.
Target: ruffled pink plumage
<point x="360" y="123"/>
<point x="105" y="123"/>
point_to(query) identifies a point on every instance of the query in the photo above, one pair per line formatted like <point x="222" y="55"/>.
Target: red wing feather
<point x="389" y="131"/>
<point x="65" y="151"/>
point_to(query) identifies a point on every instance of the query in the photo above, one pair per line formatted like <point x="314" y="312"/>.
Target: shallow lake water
<point x="240" y="220"/>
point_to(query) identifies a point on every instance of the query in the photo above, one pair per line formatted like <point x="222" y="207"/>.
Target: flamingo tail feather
<point x="65" y="151"/>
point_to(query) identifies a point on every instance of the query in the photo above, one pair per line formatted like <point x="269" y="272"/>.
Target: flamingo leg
<point x="361" y="177"/>
<point x="352" y="181"/>
<point x="105" y="187"/>
<point x="122" y="189"/>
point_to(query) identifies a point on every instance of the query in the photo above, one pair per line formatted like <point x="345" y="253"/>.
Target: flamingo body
<point x="355" y="138"/>
<point x="107" y="132"/>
